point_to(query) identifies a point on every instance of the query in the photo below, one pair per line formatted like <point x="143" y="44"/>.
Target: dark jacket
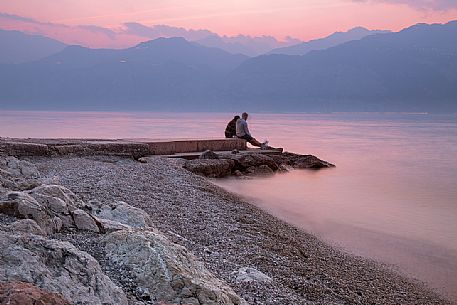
<point x="230" y="130"/>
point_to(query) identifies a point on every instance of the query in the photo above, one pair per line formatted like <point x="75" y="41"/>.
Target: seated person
<point x="230" y="130"/>
<point x="242" y="132"/>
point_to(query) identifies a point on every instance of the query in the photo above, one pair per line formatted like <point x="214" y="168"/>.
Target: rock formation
<point x="214" y="165"/>
<point x="57" y="267"/>
<point x="36" y="267"/>
<point x="164" y="271"/>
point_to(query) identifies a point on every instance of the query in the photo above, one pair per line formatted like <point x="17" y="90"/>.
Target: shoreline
<point x="235" y="233"/>
<point x="422" y="261"/>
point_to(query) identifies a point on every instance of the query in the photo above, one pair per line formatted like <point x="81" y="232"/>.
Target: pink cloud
<point x="86" y="35"/>
<point x="441" y="5"/>
<point x="297" y="18"/>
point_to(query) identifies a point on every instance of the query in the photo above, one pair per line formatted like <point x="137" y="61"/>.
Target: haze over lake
<point x="392" y="196"/>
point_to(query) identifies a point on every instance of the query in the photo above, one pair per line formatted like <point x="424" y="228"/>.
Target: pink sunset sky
<point x="96" y="22"/>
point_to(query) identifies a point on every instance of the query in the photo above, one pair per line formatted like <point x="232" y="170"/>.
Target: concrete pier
<point x="178" y="146"/>
<point x="131" y="147"/>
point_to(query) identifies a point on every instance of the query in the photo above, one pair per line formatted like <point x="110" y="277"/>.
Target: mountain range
<point x="132" y="33"/>
<point x="240" y="44"/>
<point x="327" y="42"/>
<point x="17" y="47"/>
<point x="411" y="70"/>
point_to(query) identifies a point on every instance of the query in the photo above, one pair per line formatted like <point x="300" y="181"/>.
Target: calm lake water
<point x="392" y="196"/>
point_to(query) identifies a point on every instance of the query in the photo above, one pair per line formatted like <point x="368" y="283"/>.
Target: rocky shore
<point x="105" y="229"/>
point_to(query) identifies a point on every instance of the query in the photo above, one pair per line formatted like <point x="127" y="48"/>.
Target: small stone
<point x="208" y="154"/>
<point x="58" y="224"/>
<point x="189" y="301"/>
<point x="142" y="160"/>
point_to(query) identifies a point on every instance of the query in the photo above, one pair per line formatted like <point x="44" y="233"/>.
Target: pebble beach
<point x="227" y="234"/>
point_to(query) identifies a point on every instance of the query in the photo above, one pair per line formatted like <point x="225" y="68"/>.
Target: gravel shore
<point x="227" y="233"/>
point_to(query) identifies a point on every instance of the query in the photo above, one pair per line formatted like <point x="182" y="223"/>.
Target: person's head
<point x="245" y="115"/>
<point x="236" y="117"/>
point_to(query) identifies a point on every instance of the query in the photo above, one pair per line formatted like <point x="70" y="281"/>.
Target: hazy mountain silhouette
<point x="17" y="47"/>
<point x="412" y="70"/>
<point x="240" y="44"/>
<point x="251" y="46"/>
<point x="327" y="42"/>
<point x="154" y="52"/>
<point x="160" y="72"/>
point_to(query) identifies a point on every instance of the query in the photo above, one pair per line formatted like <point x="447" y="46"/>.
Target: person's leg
<point x="254" y="142"/>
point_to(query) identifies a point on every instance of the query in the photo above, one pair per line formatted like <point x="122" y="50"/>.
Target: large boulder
<point x="122" y="213"/>
<point x="84" y="221"/>
<point x="245" y="161"/>
<point x="46" y="194"/>
<point x="17" y="168"/>
<point x="20" y="293"/>
<point x="164" y="271"/>
<point x="214" y="168"/>
<point x="56" y="267"/>
<point x="59" y="202"/>
<point x="52" y="207"/>
<point x="301" y="161"/>
<point x="17" y="174"/>
<point x="262" y="170"/>
<point x="26" y="226"/>
<point x="22" y="205"/>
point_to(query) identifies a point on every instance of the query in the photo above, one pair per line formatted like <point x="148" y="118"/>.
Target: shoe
<point x="264" y="145"/>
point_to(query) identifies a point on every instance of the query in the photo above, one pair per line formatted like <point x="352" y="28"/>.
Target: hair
<point x="244" y="114"/>
<point x="236" y="117"/>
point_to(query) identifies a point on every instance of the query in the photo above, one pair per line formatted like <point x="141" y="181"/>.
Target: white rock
<point x="247" y="274"/>
<point x="166" y="270"/>
<point x="125" y="214"/>
<point x="19" y="167"/>
<point x="17" y="175"/>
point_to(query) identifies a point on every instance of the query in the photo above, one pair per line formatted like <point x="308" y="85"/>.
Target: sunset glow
<point x="296" y="18"/>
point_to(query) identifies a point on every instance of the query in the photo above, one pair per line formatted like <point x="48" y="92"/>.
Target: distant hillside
<point x="155" y="52"/>
<point x="17" y="47"/>
<point x="327" y="42"/>
<point x="151" y="75"/>
<point x="413" y="70"/>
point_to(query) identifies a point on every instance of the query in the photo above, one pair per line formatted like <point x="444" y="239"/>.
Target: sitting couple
<point x="239" y="127"/>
